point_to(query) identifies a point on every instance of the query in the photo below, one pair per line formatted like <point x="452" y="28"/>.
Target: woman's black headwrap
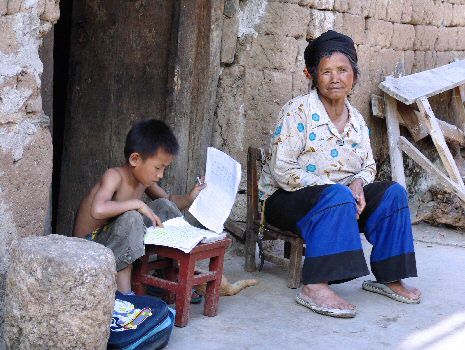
<point x="326" y="43"/>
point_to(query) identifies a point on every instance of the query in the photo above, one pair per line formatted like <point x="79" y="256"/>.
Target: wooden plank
<point x="429" y="167"/>
<point x="377" y="106"/>
<point x="204" y="84"/>
<point x="181" y="87"/>
<point x="414" y="121"/>
<point x="295" y="264"/>
<point x="462" y="92"/>
<point x="395" y="155"/>
<point x="439" y="141"/>
<point x="451" y="132"/>
<point x="458" y="109"/>
<point x="253" y="156"/>
<point x="234" y="228"/>
<point x="410" y="88"/>
<point x="285" y="263"/>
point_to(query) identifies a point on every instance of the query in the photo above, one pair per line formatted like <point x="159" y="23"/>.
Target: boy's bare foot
<point x="322" y="295"/>
<point x="403" y="289"/>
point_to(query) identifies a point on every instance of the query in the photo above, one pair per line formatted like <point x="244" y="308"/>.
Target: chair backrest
<point x="254" y="161"/>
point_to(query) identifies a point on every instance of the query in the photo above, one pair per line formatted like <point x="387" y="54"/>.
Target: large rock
<point x="59" y="294"/>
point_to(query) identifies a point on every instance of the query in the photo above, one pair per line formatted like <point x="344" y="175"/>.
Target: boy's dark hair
<point x="147" y="137"/>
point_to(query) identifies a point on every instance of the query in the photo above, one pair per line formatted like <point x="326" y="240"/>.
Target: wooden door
<point x="132" y="60"/>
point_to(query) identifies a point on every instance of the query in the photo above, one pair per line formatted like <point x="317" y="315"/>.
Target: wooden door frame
<point x="192" y="82"/>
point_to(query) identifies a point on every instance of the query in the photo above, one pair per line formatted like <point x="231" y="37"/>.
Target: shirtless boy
<point x="111" y="213"/>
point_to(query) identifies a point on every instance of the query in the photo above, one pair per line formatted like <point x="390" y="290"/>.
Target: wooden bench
<point x="293" y="244"/>
<point x="179" y="281"/>
<point x="401" y="95"/>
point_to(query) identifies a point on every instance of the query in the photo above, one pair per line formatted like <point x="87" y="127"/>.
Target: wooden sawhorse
<point x="401" y="96"/>
<point x="179" y="281"/>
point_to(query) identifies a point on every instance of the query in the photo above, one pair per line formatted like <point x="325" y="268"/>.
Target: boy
<point x="111" y="213"/>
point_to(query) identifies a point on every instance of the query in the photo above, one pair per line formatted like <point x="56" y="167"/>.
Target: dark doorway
<point x="61" y="47"/>
<point x="118" y="71"/>
<point x="118" y="62"/>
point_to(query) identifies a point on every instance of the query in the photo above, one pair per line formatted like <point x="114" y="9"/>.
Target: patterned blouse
<point x="307" y="149"/>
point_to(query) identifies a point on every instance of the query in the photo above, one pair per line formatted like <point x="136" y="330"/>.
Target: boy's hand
<point x="196" y="189"/>
<point x="145" y="210"/>
<point x="356" y="187"/>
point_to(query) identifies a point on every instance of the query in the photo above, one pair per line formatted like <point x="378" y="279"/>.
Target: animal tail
<point x="236" y="287"/>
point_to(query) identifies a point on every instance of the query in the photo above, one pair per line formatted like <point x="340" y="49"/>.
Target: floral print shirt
<point x="308" y="150"/>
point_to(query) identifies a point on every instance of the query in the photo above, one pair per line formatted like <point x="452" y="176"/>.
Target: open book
<point x="178" y="233"/>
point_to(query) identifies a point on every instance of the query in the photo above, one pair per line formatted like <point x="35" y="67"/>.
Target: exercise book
<point x="178" y="233"/>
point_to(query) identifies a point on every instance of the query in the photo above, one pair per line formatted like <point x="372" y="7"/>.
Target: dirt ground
<point x="267" y="317"/>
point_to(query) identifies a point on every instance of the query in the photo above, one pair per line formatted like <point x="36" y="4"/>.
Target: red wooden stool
<point x="180" y="281"/>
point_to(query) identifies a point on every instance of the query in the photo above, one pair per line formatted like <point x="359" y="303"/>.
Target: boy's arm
<point x="103" y="207"/>
<point x="154" y="192"/>
<point x="181" y="201"/>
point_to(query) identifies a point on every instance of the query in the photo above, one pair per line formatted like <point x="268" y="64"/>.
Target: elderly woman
<point x="318" y="183"/>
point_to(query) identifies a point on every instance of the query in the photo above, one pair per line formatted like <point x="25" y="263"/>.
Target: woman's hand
<point x="356" y="187"/>
<point x="145" y="210"/>
<point x="196" y="189"/>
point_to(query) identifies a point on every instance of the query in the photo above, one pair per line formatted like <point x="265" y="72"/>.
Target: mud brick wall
<point x="25" y="142"/>
<point x="262" y="61"/>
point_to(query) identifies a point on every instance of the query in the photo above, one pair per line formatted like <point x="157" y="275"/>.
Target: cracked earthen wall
<point x="262" y="61"/>
<point x="25" y="141"/>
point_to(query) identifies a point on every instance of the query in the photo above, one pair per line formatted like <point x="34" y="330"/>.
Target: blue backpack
<point x="140" y="322"/>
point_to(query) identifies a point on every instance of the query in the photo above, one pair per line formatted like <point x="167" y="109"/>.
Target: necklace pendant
<point x="340" y="142"/>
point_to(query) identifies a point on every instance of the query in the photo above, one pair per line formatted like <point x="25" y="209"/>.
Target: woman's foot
<point x="397" y="290"/>
<point x="322" y="295"/>
<point x="403" y="289"/>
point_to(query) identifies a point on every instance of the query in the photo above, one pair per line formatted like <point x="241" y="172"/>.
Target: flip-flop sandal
<point x="381" y="288"/>
<point x="196" y="298"/>
<point x="323" y="310"/>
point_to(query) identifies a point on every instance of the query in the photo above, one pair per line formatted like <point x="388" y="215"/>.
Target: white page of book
<point x="214" y="203"/>
<point x="178" y="233"/>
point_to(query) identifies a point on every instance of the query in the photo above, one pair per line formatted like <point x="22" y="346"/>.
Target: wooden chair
<point x="293" y="244"/>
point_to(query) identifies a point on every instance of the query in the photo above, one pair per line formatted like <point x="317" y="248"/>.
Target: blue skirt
<point x="325" y="217"/>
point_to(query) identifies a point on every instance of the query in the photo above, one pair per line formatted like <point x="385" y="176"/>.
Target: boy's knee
<point x="132" y="216"/>
<point x="129" y="219"/>
<point x="160" y="202"/>
<point x="165" y="209"/>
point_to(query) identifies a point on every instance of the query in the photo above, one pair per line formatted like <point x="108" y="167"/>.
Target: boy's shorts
<point x="124" y="234"/>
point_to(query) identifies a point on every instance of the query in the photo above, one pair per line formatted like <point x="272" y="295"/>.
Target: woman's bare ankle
<point x="403" y="289"/>
<point x="322" y="294"/>
<point x="315" y="286"/>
